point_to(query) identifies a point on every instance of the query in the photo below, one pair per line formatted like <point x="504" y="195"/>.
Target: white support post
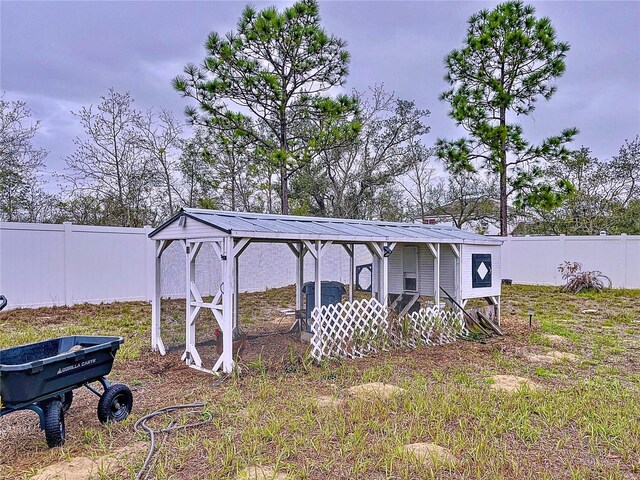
<point x="376" y="253"/>
<point x="236" y="281"/>
<point x="350" y="249"/>
<point x="318" y="272"/>
<point x="384" y="276"/>
<point x="457" y="274"/>
<point x="495" y="301"/>
<point x="190" y="355"/>
<point x="436" y="274"/>
<point x="156" y="302"/>
<point x="299" y="274"/>
<point x="227" y="308"/>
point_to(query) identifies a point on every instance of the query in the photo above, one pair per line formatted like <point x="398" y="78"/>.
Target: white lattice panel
<point x="362" y="327"/>
<point x="347" y="330"/>
<point x="429" y="326"/>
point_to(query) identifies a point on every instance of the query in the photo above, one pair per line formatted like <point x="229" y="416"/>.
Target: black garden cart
<point x="42" y="376"/>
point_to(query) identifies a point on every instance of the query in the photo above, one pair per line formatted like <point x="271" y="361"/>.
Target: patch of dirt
<point x="556" y="339"/>
<point x="430" y="454"/>
<point x="82" y="468"/>
<point x="367" y="391"/>
<point x="552" y="357"/>
<point x="511" y="383"/>
<point x="261" y="472"/>
<point x="327" y="401"/>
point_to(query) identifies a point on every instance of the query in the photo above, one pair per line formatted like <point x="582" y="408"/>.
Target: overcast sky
<point x="59" y="56"/>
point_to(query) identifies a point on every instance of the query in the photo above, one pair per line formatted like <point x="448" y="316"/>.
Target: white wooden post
<point x="457" y="274"/>
<point x="191" y="355"/>
<point x="376" y="267"/>
<point x="156" y="301"/>
<point x="236" y="278"/>
<point x="318" y="279"/>
<point x="190" y="269"/>
<point x="384" y="276"/>
<point x="352" y="270"/>
<point x="227" y="309"/>
<point x="299" y="274"/>
<point x="436" y="276"/>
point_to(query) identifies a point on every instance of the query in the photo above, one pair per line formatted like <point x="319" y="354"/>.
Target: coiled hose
<point x="141" y="424"/>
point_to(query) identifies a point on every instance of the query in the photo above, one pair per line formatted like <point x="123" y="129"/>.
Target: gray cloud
<point x="59" y="56"/>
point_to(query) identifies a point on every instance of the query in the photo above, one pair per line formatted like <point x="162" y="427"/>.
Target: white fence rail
<point x="44" y="265"/>
<point x="534" y="259"/>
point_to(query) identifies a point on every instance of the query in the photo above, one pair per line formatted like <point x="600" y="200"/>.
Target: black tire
<point x="115" y="403"/>
<point x="54" y="430"/>
<point x="67" y="401"/>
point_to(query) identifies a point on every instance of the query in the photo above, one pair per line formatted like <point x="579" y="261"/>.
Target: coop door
<point x="410" y="269"/>
<point x="481" y="270"/>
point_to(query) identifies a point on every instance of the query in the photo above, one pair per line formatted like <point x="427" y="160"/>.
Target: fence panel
<point x="534" y="259"/>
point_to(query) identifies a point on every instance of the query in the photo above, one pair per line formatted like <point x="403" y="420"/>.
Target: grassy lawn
<point x="581" y="421"/>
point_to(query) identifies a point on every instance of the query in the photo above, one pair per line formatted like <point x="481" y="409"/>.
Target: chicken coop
<point x="415" y="269"/>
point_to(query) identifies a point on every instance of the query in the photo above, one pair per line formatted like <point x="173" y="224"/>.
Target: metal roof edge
<point x="177" y="215"/>
<point x="277" y="216"/>
<point x="166" y="223"/>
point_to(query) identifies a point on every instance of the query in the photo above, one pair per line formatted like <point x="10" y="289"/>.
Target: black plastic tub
<point x="35" y="371"/>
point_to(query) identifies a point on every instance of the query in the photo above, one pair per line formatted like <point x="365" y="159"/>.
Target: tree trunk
<point x="504" y="229"/>
<point x="233" y="184"/>
<point x="284" y="191"/>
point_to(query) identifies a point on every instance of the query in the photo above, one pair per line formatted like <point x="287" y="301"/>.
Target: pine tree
<point x="509" y="60"/>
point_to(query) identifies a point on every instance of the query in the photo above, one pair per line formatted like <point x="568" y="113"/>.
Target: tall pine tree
<point x="270" y="80"/>
<point x="509" y="60"/>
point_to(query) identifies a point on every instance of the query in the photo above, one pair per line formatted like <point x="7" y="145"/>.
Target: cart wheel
<point x="54" y="430"/>
<point x="67" y="400"/>
<point x="115" y="403"/>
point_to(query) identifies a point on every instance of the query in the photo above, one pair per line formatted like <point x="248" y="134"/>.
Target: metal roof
<point x="291" y="227"/>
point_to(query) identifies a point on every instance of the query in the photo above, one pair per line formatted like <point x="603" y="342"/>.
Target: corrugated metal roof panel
<point x="283" y="227"/>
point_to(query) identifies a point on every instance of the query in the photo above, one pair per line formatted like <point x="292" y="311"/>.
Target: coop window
<point x="481" y="270"/>
<point x="410" y="268"/>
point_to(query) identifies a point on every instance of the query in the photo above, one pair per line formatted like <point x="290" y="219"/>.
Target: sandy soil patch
<point x="327" y="401"/>
<point x="552" y="357"/>
<point x="430" y="454"/>
<point x="366" y="391"/>
<point x="82" y="468"/>
<point x="511" y="383"/>
<point x="556" y="339"/>
<point x="261" y="472"/>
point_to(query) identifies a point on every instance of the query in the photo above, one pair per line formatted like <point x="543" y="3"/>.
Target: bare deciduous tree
<point x="353" y="180"/>
<point x="465" y="199"/>
<point x="19" y="161"/>
<point x="161" y="138"/>
<point x="111" y="161"/>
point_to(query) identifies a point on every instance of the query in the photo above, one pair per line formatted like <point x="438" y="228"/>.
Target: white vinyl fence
<point x="534" y="260"/>
<point x="45" y="265"/>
